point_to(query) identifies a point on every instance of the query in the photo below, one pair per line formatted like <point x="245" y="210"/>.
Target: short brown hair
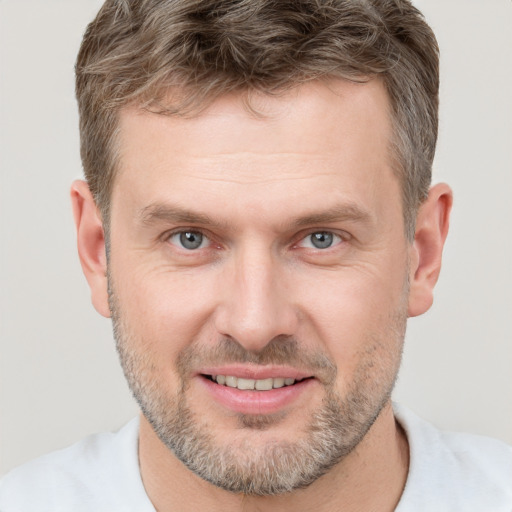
<point x="136" y="50"/>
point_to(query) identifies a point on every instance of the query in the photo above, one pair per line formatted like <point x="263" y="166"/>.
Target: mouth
<point x="254" y="384"/>
<point x="260" y="391"/>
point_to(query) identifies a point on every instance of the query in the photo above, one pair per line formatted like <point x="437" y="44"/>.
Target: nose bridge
<point x="257" y="307"/>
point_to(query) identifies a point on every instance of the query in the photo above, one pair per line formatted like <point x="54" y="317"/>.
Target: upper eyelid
<point x="204" y="240"/>
<point x="171" y="232"/>
<point x="344" y="235"/>
<point x="296" y="239"/>
<point x="340" y="236"/>
<point x="166" y="238"/>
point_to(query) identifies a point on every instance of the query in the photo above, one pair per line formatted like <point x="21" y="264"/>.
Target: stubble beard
<point x="332" y="433"/>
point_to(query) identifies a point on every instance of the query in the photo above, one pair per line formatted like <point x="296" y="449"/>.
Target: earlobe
<point x="91" y="244"/>
<point x="427" y="249"/>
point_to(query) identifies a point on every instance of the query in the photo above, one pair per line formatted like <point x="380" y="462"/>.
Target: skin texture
<point x="257" y="188"/>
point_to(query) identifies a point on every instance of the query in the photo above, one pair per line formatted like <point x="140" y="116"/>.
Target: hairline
<point x="396" y="146"/>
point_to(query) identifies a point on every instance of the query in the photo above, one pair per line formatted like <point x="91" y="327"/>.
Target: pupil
<point x="322" y="240"/>
<point x="191" y="239"/>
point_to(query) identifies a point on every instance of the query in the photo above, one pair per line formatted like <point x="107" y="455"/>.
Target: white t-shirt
<point x="449" y="472"/>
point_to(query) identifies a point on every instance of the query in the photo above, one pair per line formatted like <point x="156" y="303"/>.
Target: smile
<point x="267" y="394"/>
<point x="253" y="384"/>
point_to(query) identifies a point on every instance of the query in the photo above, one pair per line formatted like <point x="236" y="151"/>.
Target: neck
<point x="372" y="477"/>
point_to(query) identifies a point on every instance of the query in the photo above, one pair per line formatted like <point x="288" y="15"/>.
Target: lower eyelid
<point x="205" y="242"/>
<point x="337" y="239"/>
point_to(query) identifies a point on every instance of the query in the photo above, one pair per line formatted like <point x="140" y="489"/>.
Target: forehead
<point x="332" y="138"/>
<point x="246" y="116"/>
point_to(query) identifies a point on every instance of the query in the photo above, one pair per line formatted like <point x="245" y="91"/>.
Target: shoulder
<point x="93" y="474"/>
<point x="454" y="471"/>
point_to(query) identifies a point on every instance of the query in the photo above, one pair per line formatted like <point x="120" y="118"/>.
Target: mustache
<point x="281" y="350"/>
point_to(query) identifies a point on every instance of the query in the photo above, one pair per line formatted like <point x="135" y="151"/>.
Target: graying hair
<point x="135" y="51"/>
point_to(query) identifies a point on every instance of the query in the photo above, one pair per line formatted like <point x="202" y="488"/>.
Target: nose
<point x="256" y="305"/>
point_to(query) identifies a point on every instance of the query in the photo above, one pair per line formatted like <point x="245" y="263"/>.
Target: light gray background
<point x="59" y="376"/>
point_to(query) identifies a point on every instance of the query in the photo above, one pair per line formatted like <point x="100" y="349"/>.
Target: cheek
<point x="356" y="313"/>
<point x="164" y="311"/>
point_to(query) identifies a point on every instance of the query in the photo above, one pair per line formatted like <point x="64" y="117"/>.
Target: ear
<point x="426" y="251"/>
<point x="91" y="244"/>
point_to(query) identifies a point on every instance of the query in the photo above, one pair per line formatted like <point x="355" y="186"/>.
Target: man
<point x="258" y="224"/>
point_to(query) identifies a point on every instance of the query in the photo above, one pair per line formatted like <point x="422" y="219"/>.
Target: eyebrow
<point x="157" y="212"/>
<point x="339" y="213"/>
<point x="171" y="214"/>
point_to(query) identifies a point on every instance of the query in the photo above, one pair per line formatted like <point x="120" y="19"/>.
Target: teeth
<point x="231" y="382"/>
<point x="278" y="383"/>
<point x="264" y="384"/>
<point x="246" y="383"/>
<point x="249" y="384"/>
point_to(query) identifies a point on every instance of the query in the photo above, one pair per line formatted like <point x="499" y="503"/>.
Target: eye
<point x="320" y="240"/>
<point x="189" y="240"/>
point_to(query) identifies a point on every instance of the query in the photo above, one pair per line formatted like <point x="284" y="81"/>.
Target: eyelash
<point x="336" y="237"/>
<point x="205" y="237"/>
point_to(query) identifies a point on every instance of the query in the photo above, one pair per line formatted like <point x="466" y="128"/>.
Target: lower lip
<point x="256" y="402"/>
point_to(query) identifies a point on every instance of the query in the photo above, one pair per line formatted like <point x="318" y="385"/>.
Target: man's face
<point x="263" y="252"/>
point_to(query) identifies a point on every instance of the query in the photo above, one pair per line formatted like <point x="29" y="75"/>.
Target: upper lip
<point x="245" y="371"/>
